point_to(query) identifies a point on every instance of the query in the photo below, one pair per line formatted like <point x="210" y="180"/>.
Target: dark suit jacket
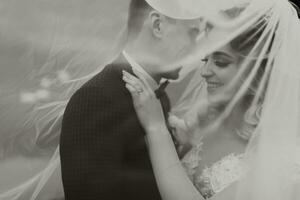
<point x="102" y="148"/>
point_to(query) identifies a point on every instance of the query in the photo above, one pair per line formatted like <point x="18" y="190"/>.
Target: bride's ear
<point x="156" y="24"/>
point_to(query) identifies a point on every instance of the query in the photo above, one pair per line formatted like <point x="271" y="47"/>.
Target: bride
<point x="243" y="126"/>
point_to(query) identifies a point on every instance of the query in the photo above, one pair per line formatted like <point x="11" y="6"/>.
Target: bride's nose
<point x="206" y="71"/>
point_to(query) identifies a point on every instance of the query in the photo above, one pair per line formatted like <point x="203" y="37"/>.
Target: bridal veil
<point x="50" y="48"/>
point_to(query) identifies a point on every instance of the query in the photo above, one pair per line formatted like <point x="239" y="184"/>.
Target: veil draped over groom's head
<point x="48" y="50"/>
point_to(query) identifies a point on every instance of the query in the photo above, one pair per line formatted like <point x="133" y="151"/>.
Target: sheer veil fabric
<point x="268" y="82"/>
<point x="50" y="48"/>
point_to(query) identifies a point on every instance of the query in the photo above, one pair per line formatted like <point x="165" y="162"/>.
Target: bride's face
<point x="219" y="70"/>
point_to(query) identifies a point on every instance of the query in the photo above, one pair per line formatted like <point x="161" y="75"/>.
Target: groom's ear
<point x="157" y="23"/>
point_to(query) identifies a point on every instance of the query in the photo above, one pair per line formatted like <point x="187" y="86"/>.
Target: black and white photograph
<point x="149" y="100"/>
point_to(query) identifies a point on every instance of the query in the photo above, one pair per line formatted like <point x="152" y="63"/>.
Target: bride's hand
<point x="147" y="106"/>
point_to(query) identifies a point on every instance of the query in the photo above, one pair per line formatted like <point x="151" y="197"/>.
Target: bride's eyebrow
<point x="223" y="54"/>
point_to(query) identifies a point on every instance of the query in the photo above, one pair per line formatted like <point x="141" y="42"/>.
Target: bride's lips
<point x="213" y="85"/>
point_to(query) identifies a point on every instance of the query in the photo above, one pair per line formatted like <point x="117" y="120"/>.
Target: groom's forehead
<point x="180" y="9"/>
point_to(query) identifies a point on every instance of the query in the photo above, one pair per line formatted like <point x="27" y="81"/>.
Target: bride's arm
<point x="172" y="180"/>
<point x="171" y="177"/>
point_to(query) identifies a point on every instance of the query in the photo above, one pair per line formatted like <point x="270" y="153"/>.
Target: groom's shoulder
<point x="107" y="83"/>
<point x="110" y="75"/>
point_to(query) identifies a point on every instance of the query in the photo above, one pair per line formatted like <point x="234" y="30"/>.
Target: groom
<point x="102" y="148"/>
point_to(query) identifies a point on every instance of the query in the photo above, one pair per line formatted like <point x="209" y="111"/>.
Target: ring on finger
<point x="140" y="90"/>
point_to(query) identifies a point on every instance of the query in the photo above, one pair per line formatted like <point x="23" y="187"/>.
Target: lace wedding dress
<point x="215" y="178"/>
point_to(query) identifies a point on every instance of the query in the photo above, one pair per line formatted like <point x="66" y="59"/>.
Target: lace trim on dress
<point x="217" y="177"/>
<point x="228" y="170"/>
<point x="220" y="175"/>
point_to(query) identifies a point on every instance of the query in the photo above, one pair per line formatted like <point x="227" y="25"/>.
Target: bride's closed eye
<point x="221" y="59"/>
<point x="222" y="63"/>
<point x="219" y="62"/>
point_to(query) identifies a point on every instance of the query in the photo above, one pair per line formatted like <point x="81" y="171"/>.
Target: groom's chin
<point x="173" y="75"/>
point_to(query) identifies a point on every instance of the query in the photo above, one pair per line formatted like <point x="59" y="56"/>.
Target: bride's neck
<point x="235" y="120"/>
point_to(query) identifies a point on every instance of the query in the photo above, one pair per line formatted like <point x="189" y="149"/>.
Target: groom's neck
<point x="146" y="59"/>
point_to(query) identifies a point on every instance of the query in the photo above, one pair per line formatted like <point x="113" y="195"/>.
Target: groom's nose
<point x="202" y="29"/>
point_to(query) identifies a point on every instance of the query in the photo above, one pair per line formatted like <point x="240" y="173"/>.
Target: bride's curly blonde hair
<point x="243" y="44"/>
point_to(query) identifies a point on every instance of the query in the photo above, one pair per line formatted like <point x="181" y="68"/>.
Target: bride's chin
<point x="218" y="95"/>
<point x="213" y="92"/>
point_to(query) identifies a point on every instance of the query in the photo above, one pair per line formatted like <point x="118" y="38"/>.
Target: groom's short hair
<point x="138" y="11"/>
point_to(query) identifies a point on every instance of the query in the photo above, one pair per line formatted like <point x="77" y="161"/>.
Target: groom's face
<point x="181" y="37"/>
<point x="180" y="40"/>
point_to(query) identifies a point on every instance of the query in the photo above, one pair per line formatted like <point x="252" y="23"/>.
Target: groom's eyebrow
<point x="209" y="26"/>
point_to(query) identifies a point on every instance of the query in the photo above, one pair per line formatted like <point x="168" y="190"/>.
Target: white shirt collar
<point x="153" y="84"/>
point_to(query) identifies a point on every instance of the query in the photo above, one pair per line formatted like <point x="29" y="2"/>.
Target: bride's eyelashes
<point x="219" y="62"/>
<point x="222" y="63"/>
<point x="222" y="59"/>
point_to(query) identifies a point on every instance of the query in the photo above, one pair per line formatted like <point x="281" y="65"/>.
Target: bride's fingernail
<point x="125" y="79"/>
<point x="125" y="74"/>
